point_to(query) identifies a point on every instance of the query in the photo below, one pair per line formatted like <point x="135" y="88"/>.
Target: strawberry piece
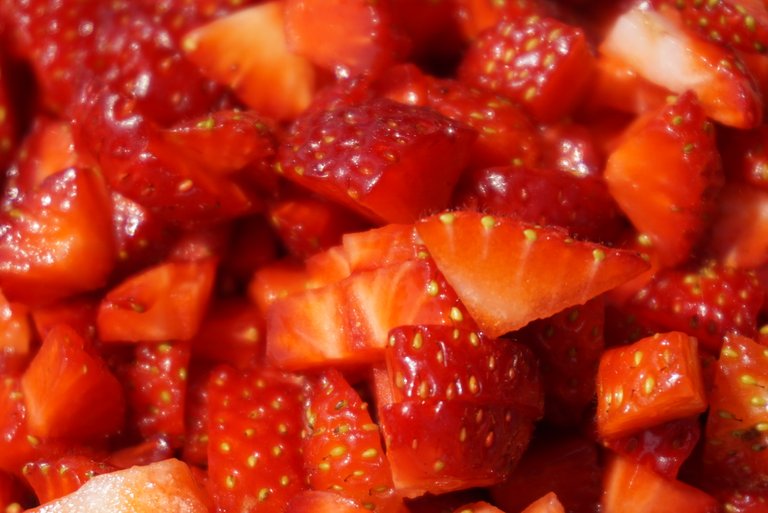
<point x="572" y="148"/>
<point x="167" y="485"/>
<point x="157" y="388"/>
<point x="320" y="501"/>
<point x="348" y="38"/>
<point x="438" y="446"/>
<point x="15" y="334"/>
<point x="141" y="163"/>
<point x="388" y="245"/>
<point x="248" y="52"/>
<point x="739" y="233"/>
<point x="18" y="446"/>
<point x="254" y="444"/>
<point x="707" y="303"/>
<point x="568" y="346"/>
<point x="663" y="448"/>
<point x="542" y="63"/>
<point x="52" y="479"/>
<point x="443" y="363"/>
<point x="548" y="503"/>
<point x="232" y="332"/>
<point x="670" y="207"/>
<point x="582" y="206"/>
<point x="566" y="465"/>
<point x="165" y="302"/>
<point x="348" y="322"/>
<point x="70" y="393"/>
<point x="618" y="86"/>
<point x="652" y="381"/>
<point x="644" y="39"/>
<point x="475" y="252"/>
<point x="195" y="449"/>
<point x="389" y="161"/>
<point x="632" y="488"/>
<point x="342" y="450"/>
<point x="475" y="16"/>
<point x="151" y="450"/>
<point x="58" y="241"/>
<point x="735" y="430"/>
<point x="738" y="24"/>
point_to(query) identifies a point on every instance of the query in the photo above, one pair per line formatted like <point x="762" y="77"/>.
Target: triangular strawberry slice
<point x="509" y="273"/>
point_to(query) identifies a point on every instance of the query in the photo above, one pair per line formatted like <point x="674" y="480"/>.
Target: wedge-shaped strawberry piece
<point x="165" y="302"/>
<point x="168" y="485"/>
<point x="631" y="487"/>
<point x="347" y="37"/>
<point x="508" y="273"/>
<point x="342" y="449"/>
<point x="447" y="363"/>
<point x="254" y="458"/>
<point x="69" y="392"/>
<point x="439" y="446"/>
<point x="347" y="322"/>
<point x="57" y="241"/>
<point x="248" y="52"/>
<point x="737" y="425"/>
<point x="57" y="477"/>
<point x="660" y="48"/>
<point x="389" y="161"/>
<point x="664" y="176"/>
<point x="548" y="503"/>
<point x="655" y="380"/>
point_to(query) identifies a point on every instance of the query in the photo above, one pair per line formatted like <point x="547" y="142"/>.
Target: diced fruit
<point x="69" y="392"/>
<point x="740" y="230"/>
<point x="644" y="384"/>
<point x="671" y="208"/>
<point x="633" y="488"/>
<point x="660" y="49"/>
<point x="342" y="449"/>
<point x="549" y="503"/>
<point x="232" y="332"/>
<point x="317" y="501"/>
<point x="52" y="479"/>
<point x="248" y="52"/>
<point x="737" y="423"/>
<point x="542" y="63"/>
<point x="254" y="454"/>
<point x="168" y="485"/>
<point x="508" y="273"/>
<point x="165" y="302"/>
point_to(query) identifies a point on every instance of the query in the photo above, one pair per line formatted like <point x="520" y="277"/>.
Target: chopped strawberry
<point x="644" y="384"/>
<point x="475" y="16"/>
<point x="165" y="302"/>
<point x="735" y="431"/>
<point x="248" y="52"/>
<point x="572" y="148"/>
<point x="739" y="234"/>
<point x="663" y="448"/>
<point x="232" y="332"/>
<point x="661" y="50"/>
<point x="708" y="302"/>
<point x="18" y="446"/>
<point x="78" y="313"/>
<point x="317" y="501"/>
<point x="446" y="363"/>
<point x="670" y="207"/>
<point x="52" y="479"/>
<point x="348" y="322"/>
<point x="69" y="392"/>
<point x="254" y="454"/>
<point x="380" y="247"/>
<point x="741" y="24"/>
<point x="346" y="37"/>
<point x="342" y="449"/>
<point x="545" y="197"/>
<point x="568" y="345"/>
<point x="389" y="161"/>
<point x="543" y="63"/>
<point x="619" y="86"/>
<point x="548" y="503"/>
<point x="168" y="485"/>
<point x="15" y="334"/>
<point x="476" y="252"/>
<point x="736" y="501"/>
<point x="566" y="465"/>
<point x="631" y="487"/>
<point x="57" y="241"/>
<point x="151" y="450"/>
<point x="157" y="385"/>
<point x="195" y="449"/>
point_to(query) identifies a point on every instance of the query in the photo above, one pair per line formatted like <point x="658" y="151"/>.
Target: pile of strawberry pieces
<point x="295" y="256"/>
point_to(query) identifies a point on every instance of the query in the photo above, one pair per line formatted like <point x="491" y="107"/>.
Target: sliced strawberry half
<point x="508" y="273"/>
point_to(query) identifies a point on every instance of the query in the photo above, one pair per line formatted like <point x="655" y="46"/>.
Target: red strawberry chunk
<point x="540" y="62"/>
<point x="69" y="392"/>
<point x="508" y="273"/>
<point x="342" y="449"/>
<point x="475" y="16"/>
<point x="446" y="363"/>
<point x="708" y="303"/>
<point x="670" y="207"/>
<point x="254" y="444"/>
<point x="232" y="332"/>
<point x="652" y="381"/>
<point x="317" y="501"/>
<point x="736" y="425"/>
<point x="548" y="503"/>
<point x="739" y="236"/>
<point x="389" y="161"/>
<point x="51" y="479"/>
